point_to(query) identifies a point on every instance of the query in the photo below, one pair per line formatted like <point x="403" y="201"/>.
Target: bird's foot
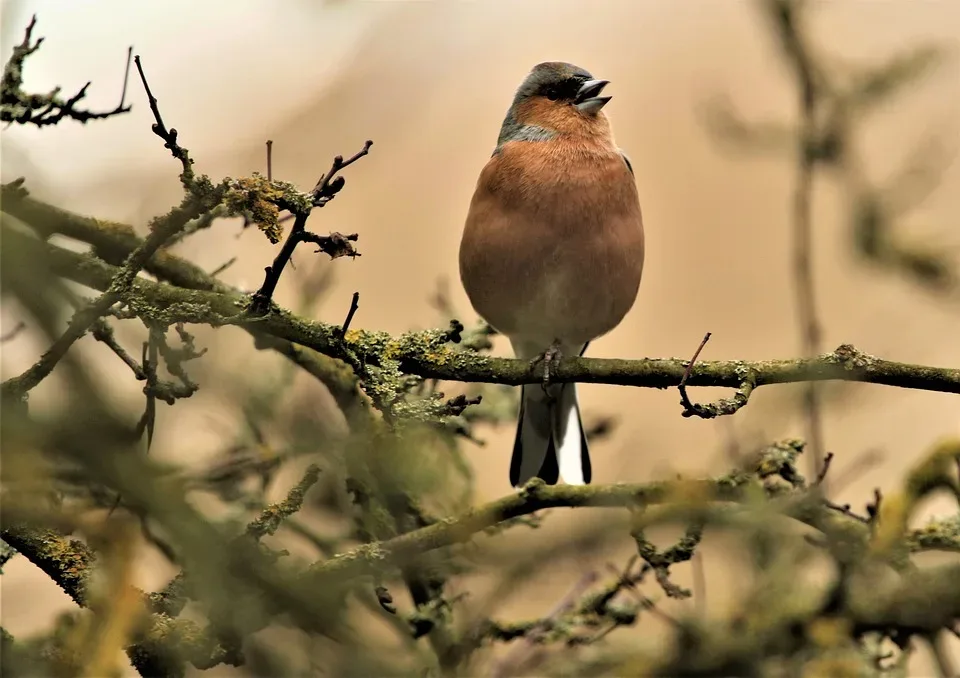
<point x="551" y="360"/>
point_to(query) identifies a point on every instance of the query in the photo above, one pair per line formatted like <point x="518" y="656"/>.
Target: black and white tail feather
<point x="550" y="443"/>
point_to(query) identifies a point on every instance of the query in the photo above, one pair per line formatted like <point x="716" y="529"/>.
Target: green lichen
<point x="365" y="553"/>
<point x="67" y="561"/>
<point x="269" y="520"/>
<point x="173" y="313"/>
<point x="454" y="359"/>
<point x="261" y="199"/>
<point x="735" y="479"/>
<point x="6" y="553"/>
<point x="417" y="343"/>
<point x="937" y="535"/>
<point x="167" y="642"/>
<point x="381" y="361"/>
<point x="780" y="459"/>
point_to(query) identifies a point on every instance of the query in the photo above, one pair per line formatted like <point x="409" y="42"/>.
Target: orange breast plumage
<point x="553" y="244"/>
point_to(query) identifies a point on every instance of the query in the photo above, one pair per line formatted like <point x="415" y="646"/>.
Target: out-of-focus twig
<point x="787" y="16"/>
<point x="271" y="517"/>
<point x="522" y="655"/>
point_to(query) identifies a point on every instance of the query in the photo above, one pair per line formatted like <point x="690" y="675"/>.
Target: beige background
<point x="429" y="83"/>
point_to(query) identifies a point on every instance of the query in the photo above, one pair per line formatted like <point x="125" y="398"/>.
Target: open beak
<point x="587" y="100"/>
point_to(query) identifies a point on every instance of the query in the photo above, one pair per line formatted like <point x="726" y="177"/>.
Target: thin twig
<point x="823" y="469"/>
<point x="354" y="305"/>
<point x="847" y="511"/>
<point x="722" y="407"/>
<point x="525" y="651"/>
<point x="335" y="245"/>
<point x="325" y="182"/>
<point x="12" y="334"/>
<point x="684" y="400"/>
<point x="150" y="362"/>
<point x="126" y="77"/>
<point x="873" y="508"/>
<point x="223" y="267"/>
<point x="158" y="128"/>
<point x="269" y="159"/>
<point x="169" y="136"/>
<point x="103" y="333"/>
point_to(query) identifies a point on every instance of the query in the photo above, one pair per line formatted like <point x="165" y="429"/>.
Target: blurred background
<point x="429" y="82"/>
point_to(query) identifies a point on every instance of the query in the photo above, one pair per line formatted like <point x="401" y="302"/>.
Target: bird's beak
<point x="587" y="100"/>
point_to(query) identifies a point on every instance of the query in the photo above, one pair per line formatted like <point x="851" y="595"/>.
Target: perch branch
<point x="427" y="355"/>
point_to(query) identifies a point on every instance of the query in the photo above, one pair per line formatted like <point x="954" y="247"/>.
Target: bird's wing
<point x="626" y="159"/>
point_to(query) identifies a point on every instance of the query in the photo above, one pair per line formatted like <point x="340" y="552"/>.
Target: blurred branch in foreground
<point x="388" y="539"/>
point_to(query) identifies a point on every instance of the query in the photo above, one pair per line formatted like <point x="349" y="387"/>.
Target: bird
<point x="552" y="251"/>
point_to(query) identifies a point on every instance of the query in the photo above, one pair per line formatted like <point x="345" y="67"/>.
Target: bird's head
<point x="557" y="97"/>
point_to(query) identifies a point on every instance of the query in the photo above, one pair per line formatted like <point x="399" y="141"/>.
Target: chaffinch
<point x="552" y="251"/>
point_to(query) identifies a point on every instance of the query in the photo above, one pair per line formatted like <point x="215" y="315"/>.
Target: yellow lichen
<point x="257" y="197"/>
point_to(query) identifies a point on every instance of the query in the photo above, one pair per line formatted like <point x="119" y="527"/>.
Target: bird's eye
<point x="553" y="94"/>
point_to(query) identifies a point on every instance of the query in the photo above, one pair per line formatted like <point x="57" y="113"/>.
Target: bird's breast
<point x="553" y="243"/>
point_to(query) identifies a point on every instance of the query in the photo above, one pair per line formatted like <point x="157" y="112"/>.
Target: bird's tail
<point x="550" y="442"/>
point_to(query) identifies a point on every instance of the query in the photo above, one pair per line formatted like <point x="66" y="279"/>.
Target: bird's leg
<point x="551" y="359"/>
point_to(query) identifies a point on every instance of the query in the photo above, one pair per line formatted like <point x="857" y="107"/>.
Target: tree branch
<point x="220" y="572"/>
<point x="269" y="520"/>
<point x="17" y="387"/>
<point x="335" y="244"/>
<point x="202" y="198"/>
<point x="533" y="497"/>
<point x="66" y="561"/>
<point x="536" y="496"/>
<point x="161" y="639"/>
<point x="113" y="242"/>
<point x="427" y="355"/>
